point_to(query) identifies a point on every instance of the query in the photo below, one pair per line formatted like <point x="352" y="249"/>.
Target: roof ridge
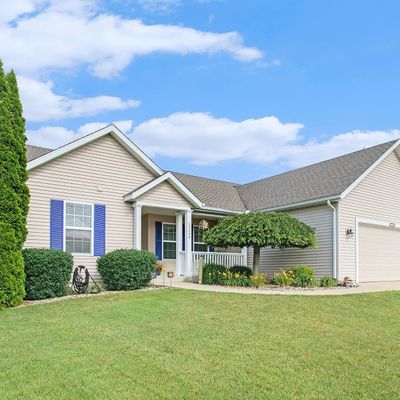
<point x="204" y="177"/>
<point x="319" y="162"/>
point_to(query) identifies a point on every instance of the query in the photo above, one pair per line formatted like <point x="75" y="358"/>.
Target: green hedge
<point x="12" y="275"/>
<point x="126" y="269"/>
<point x="47" y="273"/>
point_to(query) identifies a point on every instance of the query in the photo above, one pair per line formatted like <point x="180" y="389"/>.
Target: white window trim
<point x="167" y="241"/>
<point x="194" y="243"/>
<point x="83" y="229"/>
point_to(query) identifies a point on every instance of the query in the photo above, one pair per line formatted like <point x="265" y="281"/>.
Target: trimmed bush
<point x="242" y="270"/>
<point x="328" y="281"/>
<point x="212" y="274"/>
<point x="12" y="275"/>
<point x="304" y="276"/>
<point x="48" y="273"/>
<point x="126" y="269"/>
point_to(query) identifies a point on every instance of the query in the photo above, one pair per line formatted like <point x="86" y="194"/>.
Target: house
<point x="102" y="192"/>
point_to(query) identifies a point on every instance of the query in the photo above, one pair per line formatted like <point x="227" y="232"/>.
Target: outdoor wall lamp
<point x="349" y="233"/>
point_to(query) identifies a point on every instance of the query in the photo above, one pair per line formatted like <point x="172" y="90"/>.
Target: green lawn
<point x="176" y="344"/>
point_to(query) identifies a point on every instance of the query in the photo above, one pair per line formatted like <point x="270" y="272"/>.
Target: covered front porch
<point x="166" y="231"/>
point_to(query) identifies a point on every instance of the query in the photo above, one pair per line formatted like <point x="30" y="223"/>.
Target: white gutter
<point x="334" y="224"/>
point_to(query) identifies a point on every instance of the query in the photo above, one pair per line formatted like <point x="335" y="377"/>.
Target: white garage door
<point x="379" y="253"/>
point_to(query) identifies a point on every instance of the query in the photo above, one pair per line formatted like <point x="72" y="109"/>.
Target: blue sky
<point x="227" y="89"/>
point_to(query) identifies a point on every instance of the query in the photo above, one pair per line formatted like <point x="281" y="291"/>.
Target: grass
<point x="176" y="344"/>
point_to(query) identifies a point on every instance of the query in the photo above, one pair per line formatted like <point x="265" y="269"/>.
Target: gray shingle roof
<point x="213" y="193"/>
<point x="33" y="152"/>
<point x="324" y="179"/>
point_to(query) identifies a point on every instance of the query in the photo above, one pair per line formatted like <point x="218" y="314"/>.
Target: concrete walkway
<point x="363" y="288"/>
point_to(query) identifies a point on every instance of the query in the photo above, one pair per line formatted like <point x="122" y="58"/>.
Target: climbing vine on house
<point x="261" y="229"/>
<point x="14" y="193"/>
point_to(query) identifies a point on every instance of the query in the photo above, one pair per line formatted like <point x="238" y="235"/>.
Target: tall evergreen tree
<point x="12" y="278"/>
<point x="18" y="128"/>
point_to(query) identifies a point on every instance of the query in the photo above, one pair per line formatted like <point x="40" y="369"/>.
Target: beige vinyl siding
<point x="320" y="258"/>
<point x="164" y="194"/>
<point x="101" y="172"/>
<point x="377" y="197"/>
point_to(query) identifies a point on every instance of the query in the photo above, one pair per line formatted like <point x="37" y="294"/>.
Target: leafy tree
<point x="261" y="229"/>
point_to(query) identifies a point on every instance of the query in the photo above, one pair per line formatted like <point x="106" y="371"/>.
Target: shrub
<point x="235" y="279"/>
<point x="212" y="274"/>
<point x="304" y="276"/>
<point x="126" y="269"/>
<point x="47" y="273"/>
<point x="241" y="269"/>
<point x="284" y="278"/>
<point x="258" y="280"/>
<point x="328" y="281"/>
<point x="12" y="277"/>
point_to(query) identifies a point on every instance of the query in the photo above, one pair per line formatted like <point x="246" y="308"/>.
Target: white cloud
<point x="314" y="151"/>
<point x="56" y="136"/>
<point x="205" y="140"/>
<point x="41" y="103"/>
<point x="159" y="5"/>
<point x="64" y="35"/>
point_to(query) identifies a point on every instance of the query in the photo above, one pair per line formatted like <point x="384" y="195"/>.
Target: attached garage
<point x="378" y="252"/>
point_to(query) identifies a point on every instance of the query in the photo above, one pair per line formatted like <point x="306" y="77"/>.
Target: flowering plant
<point x="160" y="266"/>
<point x="258" y="280"/>
<point x="284" y="278"/>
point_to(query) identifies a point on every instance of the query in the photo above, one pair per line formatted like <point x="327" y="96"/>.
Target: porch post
<point x="137" y="226"/>
<point x="188" y="243"/>
<point x="179" y="222"/>
<point x="244" y="252"/>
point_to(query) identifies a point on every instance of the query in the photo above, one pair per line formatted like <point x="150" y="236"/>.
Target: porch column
<point x="188" y="243"/>
<point x="179" y="222"/>
<point x="244" y="252"/>
<point x="137" y="226"/>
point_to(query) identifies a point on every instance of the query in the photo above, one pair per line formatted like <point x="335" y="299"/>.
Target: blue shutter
<point x="192" y="237"/>
<point x="183" y="237"/>
<point x="99" y="246"/>
<point x="159" y="240"/>
<point x="56" y="224"/>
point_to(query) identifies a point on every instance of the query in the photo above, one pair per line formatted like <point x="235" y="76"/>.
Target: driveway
<point x="363" y="288"/>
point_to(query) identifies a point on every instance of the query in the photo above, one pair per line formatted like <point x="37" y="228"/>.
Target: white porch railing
<point x="225" y="259"/>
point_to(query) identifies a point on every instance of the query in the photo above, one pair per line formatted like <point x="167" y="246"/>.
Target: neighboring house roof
<point x="213" y="193"/>
<point x="326" y="179"/>
<point x="33" y="152"/>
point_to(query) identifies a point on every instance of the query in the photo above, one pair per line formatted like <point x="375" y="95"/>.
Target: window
<point x="78" y="228"/>
<point x="198" y="244"/>
<point x="169" y="241"/>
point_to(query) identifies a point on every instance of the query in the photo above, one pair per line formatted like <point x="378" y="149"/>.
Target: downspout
<point x="334" y="223"/>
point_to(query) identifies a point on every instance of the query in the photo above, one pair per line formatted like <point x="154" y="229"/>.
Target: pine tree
<point x="18" y="128"/>
<point x="12" y="219"/>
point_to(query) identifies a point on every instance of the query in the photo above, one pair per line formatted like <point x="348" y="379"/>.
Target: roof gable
<point x="173" y="181"/>
<point x="112" y="130"/>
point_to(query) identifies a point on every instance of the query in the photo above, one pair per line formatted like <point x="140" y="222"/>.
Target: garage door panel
<point x="379" y="253"/>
